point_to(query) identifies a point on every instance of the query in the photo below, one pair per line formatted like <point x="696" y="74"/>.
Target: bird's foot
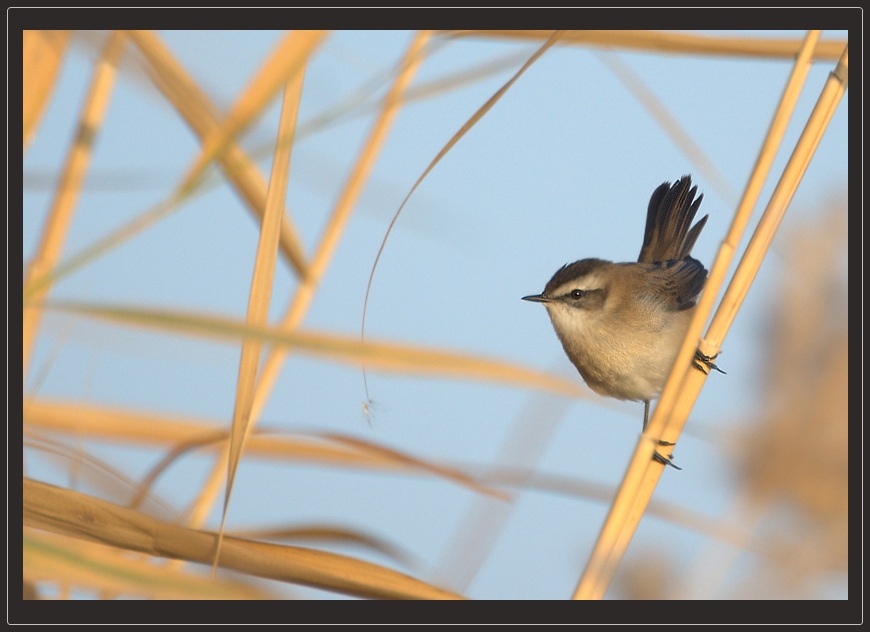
<point x="704" y="363"/>
<point x="665" y="460"/>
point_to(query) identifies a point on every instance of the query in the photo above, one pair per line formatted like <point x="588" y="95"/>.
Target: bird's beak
<point x="537" y="298"/>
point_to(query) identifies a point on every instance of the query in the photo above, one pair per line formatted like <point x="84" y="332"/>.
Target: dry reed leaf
<point x="141" y="429"/>
<point x="385" y="356"/>
<point x="396" y="456"/>
<point x="42" y="58"/>
<point x="91" y="566"/>
<point x="670" y="42"/>
<point x="74" y="514"/>
<point x="478" y="114"/>
<point x="194" y="105"/>
<point x="66" y="195"/>
<point x="326" y="533"/>
<point x="261" y="286"/>
<point x="289" y="58"/>
<point x="85" y="469"/>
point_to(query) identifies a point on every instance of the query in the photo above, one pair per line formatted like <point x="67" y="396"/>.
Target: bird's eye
<point x="578" y="294"/>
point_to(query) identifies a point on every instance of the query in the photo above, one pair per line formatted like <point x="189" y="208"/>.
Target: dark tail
<point x="671" y="211"/>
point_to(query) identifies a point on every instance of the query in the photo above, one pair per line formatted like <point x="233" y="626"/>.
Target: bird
<point x="622" y="324"/>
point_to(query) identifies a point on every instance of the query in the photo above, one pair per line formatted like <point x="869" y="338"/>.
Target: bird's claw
<point x="658" y="458"/>
<point x="704" y="363"/>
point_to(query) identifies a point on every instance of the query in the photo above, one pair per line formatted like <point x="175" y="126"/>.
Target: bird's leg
<point x="658" y="458"/>
<point x="646" y="421"/>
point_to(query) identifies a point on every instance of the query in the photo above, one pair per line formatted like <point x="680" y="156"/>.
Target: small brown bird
<point x="622" y="324"/>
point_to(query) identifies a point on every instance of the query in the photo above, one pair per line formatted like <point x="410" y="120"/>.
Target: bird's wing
<point x="676" y="283"/>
